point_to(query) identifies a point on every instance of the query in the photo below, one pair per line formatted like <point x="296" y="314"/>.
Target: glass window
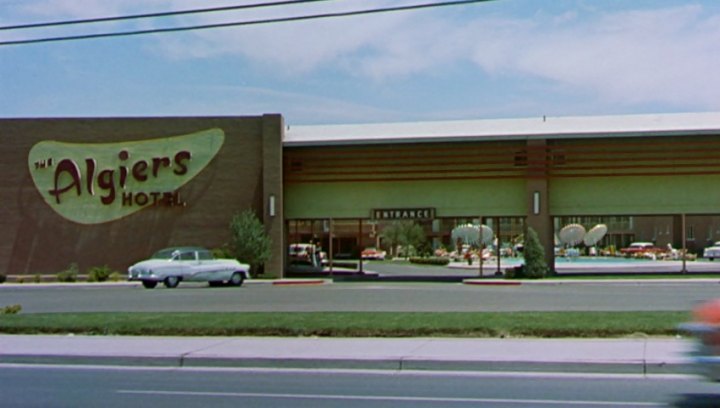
<point x="187" y="256"/>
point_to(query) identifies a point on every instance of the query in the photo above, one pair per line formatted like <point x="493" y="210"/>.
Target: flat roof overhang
<point x="544" y="127"/>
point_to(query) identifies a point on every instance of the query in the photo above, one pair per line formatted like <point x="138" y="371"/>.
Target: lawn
<point x="352" y="324"/>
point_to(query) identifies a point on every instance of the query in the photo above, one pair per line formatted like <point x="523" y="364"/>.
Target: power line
<point x="156" y="15"/>
<point x="242" y="23"/>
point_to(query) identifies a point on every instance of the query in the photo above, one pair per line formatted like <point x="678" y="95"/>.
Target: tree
<point x="534" y="254"/>
<point x="403" y="233"/>
<point x="250" y="243"/>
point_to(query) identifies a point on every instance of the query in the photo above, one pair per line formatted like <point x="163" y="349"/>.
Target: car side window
<point x="204" y="255"/>
<point x="187" y="256"/>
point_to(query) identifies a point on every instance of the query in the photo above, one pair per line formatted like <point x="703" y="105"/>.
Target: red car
<point x="373" y="253"/>
<point x="638" y="249"/>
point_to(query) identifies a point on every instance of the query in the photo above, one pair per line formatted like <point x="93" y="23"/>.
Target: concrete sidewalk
<point x="621" y="356"/>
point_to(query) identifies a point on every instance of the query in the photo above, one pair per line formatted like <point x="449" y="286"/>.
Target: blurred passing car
<point x="192" y="264"/>
<point x="373" y="253"/>
<point x="706" y="330"/>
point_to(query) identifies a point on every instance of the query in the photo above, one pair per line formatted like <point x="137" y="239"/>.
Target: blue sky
<point x="499" y="59"/>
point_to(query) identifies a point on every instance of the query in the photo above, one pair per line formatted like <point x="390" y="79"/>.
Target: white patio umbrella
<point x="572" y="234"/>
<point x="470" y="234"/>
<point x="595" y="234"/>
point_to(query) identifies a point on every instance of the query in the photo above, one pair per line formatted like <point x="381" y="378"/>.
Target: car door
<point x="186" y="262"/>
<point x="210" y="269"/>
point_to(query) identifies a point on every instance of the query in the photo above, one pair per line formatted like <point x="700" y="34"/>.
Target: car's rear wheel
<point x="171" y="282"/>
<point x="149" y="284"/>
<point x="236" y="279"/>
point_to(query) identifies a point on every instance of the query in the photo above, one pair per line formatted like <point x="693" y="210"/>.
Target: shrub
<point x="3" y="277"/>
<point x="69" y="275"/>
<point x="430" y="261"/>
<point x="116" y="277"/>
<point x="250" y="243"/>
<point x="37" y="278"/>
<point x="221" y="253"/>
<point x="534" y="254"/>
<point x="99" y="273"/>
<point x="12" y="309"/>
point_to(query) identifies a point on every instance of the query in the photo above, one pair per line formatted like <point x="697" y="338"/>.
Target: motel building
<point x="112" y="191"/>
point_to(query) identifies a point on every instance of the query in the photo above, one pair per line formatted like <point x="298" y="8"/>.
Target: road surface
<point x="401" y="297"/>
<point x="66" y="386"/>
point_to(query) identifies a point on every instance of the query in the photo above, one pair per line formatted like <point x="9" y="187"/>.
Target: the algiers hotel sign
<point x="99" y="182"/>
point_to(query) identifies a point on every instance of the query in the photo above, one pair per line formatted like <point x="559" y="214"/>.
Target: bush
<point x="69" y="275"/>
<point x="3" y="277"/>
<point x="534" y="254"/>
<point x="12" y="309"/>
<point x="37" y="278"/>
<point x="221" y="253"/>
<point x="250" y="243"/>
<point x="430" y="261"/>
<point x="116" y="277"/>
<point x="99" y="273"/>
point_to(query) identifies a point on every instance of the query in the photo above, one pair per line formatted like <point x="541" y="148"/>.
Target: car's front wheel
<point x="149" y="284"/>
<point x="171" y="282"/>
<point x="236" y="279"/>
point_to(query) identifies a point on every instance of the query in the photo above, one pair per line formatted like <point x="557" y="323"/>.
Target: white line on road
<point x="390" y="398"/>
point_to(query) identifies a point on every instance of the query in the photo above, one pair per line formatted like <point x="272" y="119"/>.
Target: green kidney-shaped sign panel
<point x="95" y="183"/>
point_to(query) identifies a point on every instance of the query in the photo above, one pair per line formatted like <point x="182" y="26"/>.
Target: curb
<point x="556" y="282"/>
<point x="291" y="282"/>
<point x="492" y="282"/>
<point x="635" y="367"/>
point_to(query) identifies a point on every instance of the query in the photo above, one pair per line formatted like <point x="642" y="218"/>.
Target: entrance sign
<point x="404" y="214"/>
<point x="93" y="183"/>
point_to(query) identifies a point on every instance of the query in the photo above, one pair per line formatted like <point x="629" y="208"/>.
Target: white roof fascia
<point x="676" y="124"/>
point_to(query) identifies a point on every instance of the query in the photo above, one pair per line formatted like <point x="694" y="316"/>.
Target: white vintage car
<point x="712" y="252"/>
<point x="172" y="265"/>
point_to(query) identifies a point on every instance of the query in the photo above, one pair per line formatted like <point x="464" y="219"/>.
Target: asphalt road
<point x="359" y="297"/>
<point x="66" y="386"/>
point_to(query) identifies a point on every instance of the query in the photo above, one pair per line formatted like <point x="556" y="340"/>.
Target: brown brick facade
<point x="35" y="239"/>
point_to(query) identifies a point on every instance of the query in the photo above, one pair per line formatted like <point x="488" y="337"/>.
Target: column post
<point x="273" y="132"/>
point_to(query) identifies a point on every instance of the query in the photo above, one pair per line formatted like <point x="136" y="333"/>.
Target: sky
<point x="489" y="60"/>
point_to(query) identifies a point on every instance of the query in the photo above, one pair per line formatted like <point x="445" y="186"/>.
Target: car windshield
<point x="164" y="254"/>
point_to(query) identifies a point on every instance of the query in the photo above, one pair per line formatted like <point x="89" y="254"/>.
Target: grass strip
<point x="352" y="324"/>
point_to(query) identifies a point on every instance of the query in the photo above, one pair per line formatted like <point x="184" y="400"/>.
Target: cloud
<point x="75" y="9"/>
<point x="629" y="56"/>
<point x="294" y="48"/>
<point x="668" y="55"/>
<point x="665" y="55"/>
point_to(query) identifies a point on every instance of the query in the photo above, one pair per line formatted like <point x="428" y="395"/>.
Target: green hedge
<point x="430" y="261"/>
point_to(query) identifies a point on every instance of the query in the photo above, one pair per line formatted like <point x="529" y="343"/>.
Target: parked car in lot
<point x="641" y="250"/>
<point x="712" y="252"/>
<point x="193" y="264"/>
<point x="373" y="253"/>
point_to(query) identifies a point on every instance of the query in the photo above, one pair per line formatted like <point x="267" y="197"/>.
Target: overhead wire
<point x="243" y="23"/>
<point x="157" y="15"/>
